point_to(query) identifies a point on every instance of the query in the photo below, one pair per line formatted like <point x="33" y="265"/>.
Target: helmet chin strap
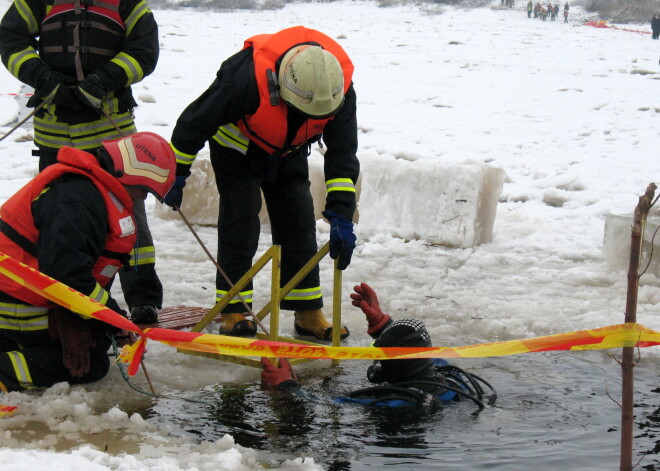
<point x="106" y="162"/>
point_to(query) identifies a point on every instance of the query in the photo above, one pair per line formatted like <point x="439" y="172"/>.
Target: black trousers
<point x="33" y="359"/>
<point x="141" y="284"/>
<point x="240" y="180"/>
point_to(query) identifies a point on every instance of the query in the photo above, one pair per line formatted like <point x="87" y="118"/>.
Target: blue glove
<point x="174" y="197"/>
<point x="342" y="238"/>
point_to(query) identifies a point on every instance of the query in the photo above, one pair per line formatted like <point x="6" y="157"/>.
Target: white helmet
<point x="312" y="81"/>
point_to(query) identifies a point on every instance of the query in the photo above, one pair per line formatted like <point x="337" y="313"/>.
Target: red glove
<point x="75" y="335"/>
<point x="271" y="375"/>
<point x="365" y="298"/>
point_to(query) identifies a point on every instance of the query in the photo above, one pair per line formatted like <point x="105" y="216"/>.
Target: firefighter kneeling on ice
<point x="75" y="223"/>
<point x="424" y="382"/>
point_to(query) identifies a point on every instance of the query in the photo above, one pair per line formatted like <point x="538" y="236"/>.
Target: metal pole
<point x="627" y="361"/>
<point x="34" y="111"/>
<point x="133" y="338"/>
<point x="336" y="308"/>
<point x="248" y="309"/>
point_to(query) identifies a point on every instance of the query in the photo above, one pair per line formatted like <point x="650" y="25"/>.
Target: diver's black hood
<point x="406" y="333"/>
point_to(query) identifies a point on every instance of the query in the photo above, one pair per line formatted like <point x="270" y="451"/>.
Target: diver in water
<point x="423" y="382"/>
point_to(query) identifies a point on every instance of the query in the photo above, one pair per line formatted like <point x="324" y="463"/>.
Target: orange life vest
<point x="18" y="234"/>
<point x="267" y="127"/>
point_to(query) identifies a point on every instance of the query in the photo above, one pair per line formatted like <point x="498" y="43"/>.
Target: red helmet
<point x="143" y="159"/>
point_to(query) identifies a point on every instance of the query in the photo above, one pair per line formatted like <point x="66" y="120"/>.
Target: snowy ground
<point x="569" y="112"/>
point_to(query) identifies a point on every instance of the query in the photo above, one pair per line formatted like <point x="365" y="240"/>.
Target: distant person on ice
<point x="74" y="222"/>
<point x="655" y="26"/>
<point x="269" y="103"/>
<point x="530" y="7"/>
<point x="424" y="382"/>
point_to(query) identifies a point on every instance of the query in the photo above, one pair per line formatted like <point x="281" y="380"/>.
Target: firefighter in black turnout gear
<point x="268" y="104"/>
<point x="73" y="222"/>
<point x="81" y="57"/>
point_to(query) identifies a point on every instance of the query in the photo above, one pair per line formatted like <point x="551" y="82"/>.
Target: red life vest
<point x="18" y="234"/>
<point x="78" y="36"/>
<point x="267" y="127"/>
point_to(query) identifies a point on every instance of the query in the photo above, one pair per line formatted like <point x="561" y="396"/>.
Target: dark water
<point x="553" y="413"/>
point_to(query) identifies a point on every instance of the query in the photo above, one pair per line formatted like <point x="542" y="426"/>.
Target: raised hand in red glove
<point x="365" y="298"/>
<point x="271" y="375"/>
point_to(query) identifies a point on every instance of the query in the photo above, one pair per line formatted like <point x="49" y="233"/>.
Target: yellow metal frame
<point x="274" y="254"/>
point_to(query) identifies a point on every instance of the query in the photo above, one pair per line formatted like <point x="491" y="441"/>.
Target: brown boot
<point x="236" y="325"/>
<point x="313" y="323"/>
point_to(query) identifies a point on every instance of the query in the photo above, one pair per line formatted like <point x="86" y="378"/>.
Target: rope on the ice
<point x="234" y="427"/>
<point x="123" y="367"/>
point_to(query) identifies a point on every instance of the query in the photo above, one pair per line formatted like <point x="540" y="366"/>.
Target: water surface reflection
<point x="553" y="412"/>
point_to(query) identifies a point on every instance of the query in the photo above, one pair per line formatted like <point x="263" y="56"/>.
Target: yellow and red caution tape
<point x="603" y="24"/>
<point x="615" y="336"/>
<point x="7" y="410"/>
<point x="622" y="335"/>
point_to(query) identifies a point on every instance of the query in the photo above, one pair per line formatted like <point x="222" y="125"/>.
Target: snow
<point x="458" y="210"/>
<point x="450" y="205"/>
<point x="563" y="109"/>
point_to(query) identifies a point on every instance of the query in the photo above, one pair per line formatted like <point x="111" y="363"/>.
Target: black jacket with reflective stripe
<point x="19" y="44"/>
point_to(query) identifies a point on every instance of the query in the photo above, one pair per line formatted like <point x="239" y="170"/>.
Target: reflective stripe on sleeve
<point x="99" y="294"/>
<point x="340" y="184"/>
<point x="182" y="157"/>
<point x="231" y="136"/>
<point x="27" y="15"/>
<point x="138" y="12"/>
<point x="143" y="256"/>
<point x="131" y="67"/>
<point x="18" y="59"/>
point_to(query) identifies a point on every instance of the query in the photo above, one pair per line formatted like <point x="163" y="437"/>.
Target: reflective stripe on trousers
<point x="23" y="317"/>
